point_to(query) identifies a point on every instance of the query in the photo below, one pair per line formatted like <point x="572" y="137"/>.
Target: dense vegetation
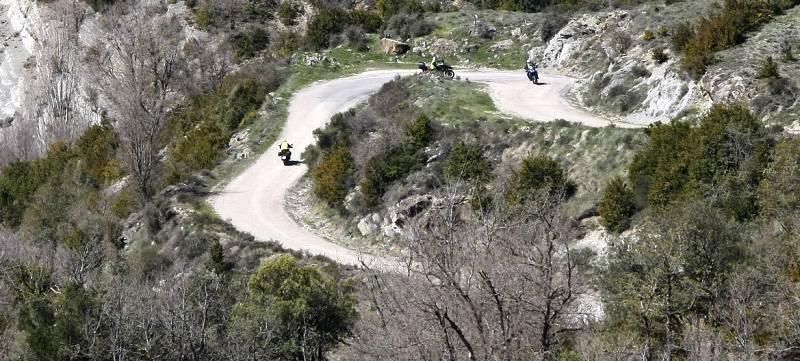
<point x="723" y="30"/>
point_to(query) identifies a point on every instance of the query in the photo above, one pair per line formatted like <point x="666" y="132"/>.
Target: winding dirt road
<point x="254" y="201"/>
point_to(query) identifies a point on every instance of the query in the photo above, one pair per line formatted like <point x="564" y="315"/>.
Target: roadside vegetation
<point x="108" y="249"/>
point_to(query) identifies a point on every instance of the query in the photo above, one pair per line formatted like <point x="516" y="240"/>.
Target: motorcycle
<point x="441" y="68"/>
<point x="286" y="156"/>
<point x="533" y="74"/>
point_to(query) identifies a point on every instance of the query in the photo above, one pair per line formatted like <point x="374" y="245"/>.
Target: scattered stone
<point x="444" y="47"/>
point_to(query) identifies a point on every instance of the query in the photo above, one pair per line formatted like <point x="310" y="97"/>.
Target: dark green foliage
<point x="420" y="131"/>
<point x="539" y="174"/>
<point x="97" y="149"/>
<point x="327" y="22"/>
<point x="289" y="11"/>
<point x="681" y="35"/>
<point x="203" y="126"/>
<point x="384" y="169"/>
<point x="389" y="8"/>
<point x="551" y="26"/>
<point x="769" y="69"/>
<point x="20" y="181"/>
<point x="787" y="53"/>
<point x="370" y="21"/>
<point x="724" y="30"/>
<point x="467" y="162"/>
<point x="660" y="56"/>
<point x="331" y="176"/>
<point x="309" y="312"/>
<point x="677" y="270"/>
<point x="406" y="26"/>
<point x="617" y="205"/>
<point x="723" y="159"/>
<point x="248" y="43"/>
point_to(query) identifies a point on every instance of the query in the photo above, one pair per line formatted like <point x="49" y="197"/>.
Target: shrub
<point x="787" y="52"/>
<point x="96" y="150"/>
<point x="768" y="70"/>
<point x="404" y="26"/>
<point x="648" y="36"/>
<point x="420" y="131"/>
<point x="249" y="42"/>
<point x="389" y="8"/>
<point x="681" y="35"/>
<point x="617" y="205"/>
<point x="539" y="173"/>
<point x="289" y="11"/>
<point x="639" y="71"/>
<point x="330" y="177"/>
<point x="551" y="26"/>
<point x="724" y="30"/>
<point x="467" y="162"/>
<point x="370" y="21"/>
<point x="329" y="21"/>
<point x="660" y="56"/>
<point x="725" y="156"/>
<point x="203" y="17"/>
<point x="384" y="169"/>
<point x="663" y="31"/>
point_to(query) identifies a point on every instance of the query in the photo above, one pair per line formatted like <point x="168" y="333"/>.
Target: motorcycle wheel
<point x="449" y="74"/>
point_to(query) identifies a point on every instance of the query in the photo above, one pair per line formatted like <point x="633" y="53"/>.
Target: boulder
<point x="394" y="47"/>
<point x="369" y="225"/>
<point x="444" y="47"/>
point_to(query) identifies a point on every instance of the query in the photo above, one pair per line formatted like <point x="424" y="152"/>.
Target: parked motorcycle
<point x="533" y="74"/>
<point x="441" y="69"/>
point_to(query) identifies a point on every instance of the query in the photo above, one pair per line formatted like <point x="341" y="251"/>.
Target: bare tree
<point x="500" y="286"/>
<point x="140" y="67"/>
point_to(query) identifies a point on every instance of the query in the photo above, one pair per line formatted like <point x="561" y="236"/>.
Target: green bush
<point x="203" y="16"/>
<point x="681" y="35"/>
<point x="660" y="56"/>
<point x="289" y="11"/>
<point x="327" y="22"/>
<point x="97" y="149"/>
<point x="420" y="131"/>
<point x="648" y="36"/>
<point x="725" y="156"/>
<point x="724" y="30"/>
<point x="331" y="176"/>
<point x="370" y="21"/>
<point x="405" y="26"/>
<point x="617" y="205"/>
<point x="539" y="173"/>
<point x="250" y="42"/>
<point x="769" y="69"/>
<point x="466" y="161"/>
<point x="551" y="26"/>
<point x="384" y="169"/>
<point x="389" y="8"/>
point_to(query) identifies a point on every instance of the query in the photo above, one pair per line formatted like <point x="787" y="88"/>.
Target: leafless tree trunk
<point x="501" y="286"/>
<point x="140" y="66"/>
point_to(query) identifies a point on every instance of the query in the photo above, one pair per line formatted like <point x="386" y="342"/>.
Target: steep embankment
<point x="254" y="201"/>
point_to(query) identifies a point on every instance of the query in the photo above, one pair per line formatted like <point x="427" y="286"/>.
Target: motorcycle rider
<point x="435" y="63"/>
<point x="284" y="145"/>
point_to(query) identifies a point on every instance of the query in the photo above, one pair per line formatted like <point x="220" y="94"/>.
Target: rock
<point x="418" y="50"/>
<point x="578" y="35"/>
<point x="444" y="47"/>
<point x="516" y="32"/>
<point x="369" y="225"/>
<point x="5" y="123"/>
<point x="394" y="47"/>
<point x="470" y="48"/>
<point x="503" y="45"/>
<point x="483" y="30"/>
